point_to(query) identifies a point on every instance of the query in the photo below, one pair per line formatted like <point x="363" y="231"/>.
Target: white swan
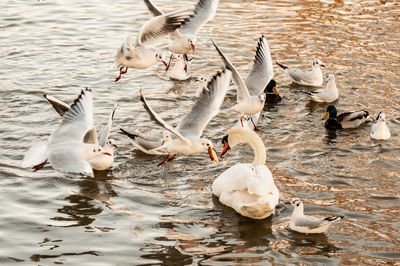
<point x="247" y="188"/>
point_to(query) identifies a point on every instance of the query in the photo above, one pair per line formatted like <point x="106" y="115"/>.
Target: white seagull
<point x="201" y="85"/>
<point x="66" y="150"/>
<point x="326" y="95"/>
<point x="311" y="77"/>
<point x="187" y="135"/>
<point x="250" y="94"/>
<point x="184" y="39"/>
<point x="147" y="143"/>
<point x="379" y="130"/>
<point x="100" y="162"/>
<point x="138" y="55"/>
<point x="308" y="224"/>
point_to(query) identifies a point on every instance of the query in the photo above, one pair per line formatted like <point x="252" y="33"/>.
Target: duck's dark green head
<point x="331" y="112"/>
<point x="271" y="87"/>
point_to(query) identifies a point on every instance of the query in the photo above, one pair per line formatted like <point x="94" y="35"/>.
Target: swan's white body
<point x="379" y="129"/>
<point x="248" y="188"/>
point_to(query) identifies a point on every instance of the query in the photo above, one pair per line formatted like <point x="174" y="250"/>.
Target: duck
<point x="379" y="129"/>
<point x="343" y="120"/>
<point x="248" y="188"/>
<point x="327" y="95"/>
<point x="271" y="93"/>
<point x="312" y="78"/>
<point x="308" y="224"/>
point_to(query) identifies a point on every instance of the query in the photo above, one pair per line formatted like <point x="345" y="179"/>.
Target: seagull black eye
<point x="298" y="204"/>
<point x="99" y="149"/>
<point x="94" y="150"/>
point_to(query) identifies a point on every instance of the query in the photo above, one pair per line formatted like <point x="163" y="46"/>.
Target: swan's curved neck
<point x="260" y="156"/>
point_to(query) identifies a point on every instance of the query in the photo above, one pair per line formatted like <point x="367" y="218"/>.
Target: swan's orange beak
<point x="213" y="154"/>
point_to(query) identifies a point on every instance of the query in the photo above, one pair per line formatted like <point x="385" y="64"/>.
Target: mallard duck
<point x="344" y="120"/>
<point x="248" y="188"/>
<point x="308" y="224"/>
<point x="271" y="93"/>
<point x="379" y="129"/>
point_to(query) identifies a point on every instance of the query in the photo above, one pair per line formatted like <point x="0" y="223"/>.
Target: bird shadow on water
<point x="82" y="207"/>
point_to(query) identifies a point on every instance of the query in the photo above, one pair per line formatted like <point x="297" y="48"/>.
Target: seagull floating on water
<point x="308" y="224"/>
<point x="343" y="120"/>
<point x="138" y="55"/>
<point x="327" y="95"/>
<point x="311" y="77"/>
<point x="187" y="135"/>
<point x="379" y="129"/>
<point x="178" y="67"/>
<point x="65" y="149"/>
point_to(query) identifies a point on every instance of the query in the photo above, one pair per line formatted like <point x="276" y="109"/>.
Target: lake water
<point x="139" y="213"/>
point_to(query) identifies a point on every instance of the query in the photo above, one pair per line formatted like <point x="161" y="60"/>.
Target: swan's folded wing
<point x="207" y="105"/>
<point x="204" y="11"/>
<point x="262" y="71"/>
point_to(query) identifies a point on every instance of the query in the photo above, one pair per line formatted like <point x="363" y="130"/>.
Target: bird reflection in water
<point x="312" y="244"/>
<point x="82" y="208"/>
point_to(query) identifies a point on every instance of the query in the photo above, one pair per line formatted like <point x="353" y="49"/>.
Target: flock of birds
<point x="249" y="188"/>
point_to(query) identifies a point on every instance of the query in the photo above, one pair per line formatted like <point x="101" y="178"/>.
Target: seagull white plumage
<point x="187" y="135"/>
<point x="184" y="40"/>
<point x="66" y="150"/>
<point x="102" y="161"/>
<point x="138" y="55"/>
<point x="379" y="129"/>
<point x="248" y="104"/>
<point x="308" y="224"/>
<point x="311" y="77"/>
<point x="147" y="143"/>
<point x="179" y="68"/>
<point x="329" y="94"/>
<point x="247" y="188"/>
<point x="201" y="85"/>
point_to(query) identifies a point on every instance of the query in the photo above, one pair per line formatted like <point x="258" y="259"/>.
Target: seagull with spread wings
<point x="250" y="93"/>
<point x="102" y="161"/>
<point x="65" y="149"/>
<point x="138" y="55"/>
<point x="187" y="136"/>
<point x="184" y="39"/>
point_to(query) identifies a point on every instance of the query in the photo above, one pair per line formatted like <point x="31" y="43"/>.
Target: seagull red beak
<point x="322" y="65"/>
<point x="107" y="153"/>
<point x="115" y="146"/>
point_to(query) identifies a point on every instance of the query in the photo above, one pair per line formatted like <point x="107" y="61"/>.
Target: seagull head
<point x="202" y="81"/>
<point x="97" y="150"/>
<point x="318" y="63"/>
<point x="111" y="143"/>
<point x="295" y="202"/>
<point x="262" y="97"/>
<point x="208" y="146"/>
<point x="381" y="117"/>
<point x="331" y="112"/>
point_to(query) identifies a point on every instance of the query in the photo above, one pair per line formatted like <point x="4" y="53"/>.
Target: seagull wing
<point x="160" y="26"/>
<point x="310" y="222"/>
<point x="262" y="71"/>
<point x="105" y="131"/>
<point x="152" y="8"/>
<point x="155" y="117"/>
<point x="207" y="105"/>
<point x="58" y="105"/>
<point x="242" y="92"/>
<point x="66" y="147"/>
<point x="204" y="11"/>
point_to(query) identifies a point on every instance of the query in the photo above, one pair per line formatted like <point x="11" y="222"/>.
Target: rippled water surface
<point x="139" y="213"/>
